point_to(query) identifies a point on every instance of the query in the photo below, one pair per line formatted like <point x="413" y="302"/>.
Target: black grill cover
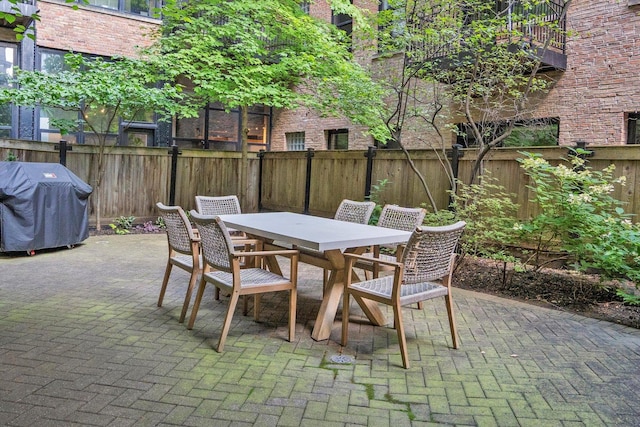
<point x="42" y="205"/>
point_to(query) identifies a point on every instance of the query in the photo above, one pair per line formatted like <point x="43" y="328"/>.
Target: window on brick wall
<point x="49" y="119"/>
<point x="343" y="22"/>
<point x="305" y="5"/>
<point x="338" y="139"/>
<point x="295" y="141"/>
<point x="136" y="7"/>
<point x="633" y="128"/>
<point x="525" y="133"/>
<point x="7" y="61"/>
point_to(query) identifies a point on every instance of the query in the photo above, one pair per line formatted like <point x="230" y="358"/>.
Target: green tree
<point x="246" y="52"/>
<point x="102" y="92"/>
<point x="469" y="61"/>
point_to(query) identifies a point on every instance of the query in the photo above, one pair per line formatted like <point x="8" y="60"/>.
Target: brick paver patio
<point x="83" y="343"/>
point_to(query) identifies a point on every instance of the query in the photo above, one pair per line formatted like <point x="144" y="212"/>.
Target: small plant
<point x="376" y="190"/>
<point x="11" y="157"/>
<point x="160" y="223"/>
<point x="123" y="224"/>
<point x="148" y="227"/>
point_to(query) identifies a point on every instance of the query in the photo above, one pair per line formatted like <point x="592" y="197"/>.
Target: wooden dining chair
<point x="353" y="211"/>
<point x="222" y="269"/>
<point x="422" y="271"/>
<point x="398" y="218"/>
<point x="183" y="251"/>
<point x="220" y="205"/>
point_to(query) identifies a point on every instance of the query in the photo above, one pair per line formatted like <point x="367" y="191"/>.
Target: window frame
<point x="633" y="128"/>
<point x="295" y="141"/>
<point x="151" y="13"/>
<point x="332" y="138"/>
<point x="12" y="127"/>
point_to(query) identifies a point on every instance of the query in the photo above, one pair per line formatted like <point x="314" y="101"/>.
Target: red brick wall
<point x="602" y="80"/>
<point x="305" y="120"/>
<point x="91" y="30"/>
<point x="600" y="85"/>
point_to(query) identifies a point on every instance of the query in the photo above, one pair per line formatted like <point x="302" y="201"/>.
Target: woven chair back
<point x="399" y="218"/>
<point x="179" y="231"/>
<point x="219" y="205"/>
<point x="352" y="211"/>
<point x="215" y="241"/>
<point x="429" y="252"/>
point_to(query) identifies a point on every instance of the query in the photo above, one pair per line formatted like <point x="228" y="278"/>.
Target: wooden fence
<point x="315" y="182"/>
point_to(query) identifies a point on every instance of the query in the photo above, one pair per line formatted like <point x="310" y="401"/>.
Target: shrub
<point x="579" y="216"/>
<point x="122" y="224"/>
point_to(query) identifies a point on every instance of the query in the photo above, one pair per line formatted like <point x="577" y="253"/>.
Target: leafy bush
<point x="579" y="216"/>
<point x="122" y="224"/>
<point x="376" y="190"/>
<point x="490" y="214"/>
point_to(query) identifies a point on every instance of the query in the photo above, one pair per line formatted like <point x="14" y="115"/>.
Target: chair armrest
<point x="245" y="241"/>
<point x="374" y="260"/>
<point x="286" y="252"/>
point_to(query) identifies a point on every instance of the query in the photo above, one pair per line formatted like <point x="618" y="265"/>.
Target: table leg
<point x="333" y="296"/>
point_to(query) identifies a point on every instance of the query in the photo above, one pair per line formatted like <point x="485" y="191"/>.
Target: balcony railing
<point x="22" y="11"/>
<point x="538" y="29"/>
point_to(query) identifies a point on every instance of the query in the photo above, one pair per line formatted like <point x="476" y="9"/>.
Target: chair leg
<point x="233" y="302"/>
<point x="165" y="281"/>
<point x="345" y="318"/>
<point x="187" y="297"/>
<point x="452" y="320"/>
<point x="420" y="305"/>
<point x="293" y="302"/>
<point x="217" y="294"/>
<point x="397" y="320"/>
<point x="196" y="303"/>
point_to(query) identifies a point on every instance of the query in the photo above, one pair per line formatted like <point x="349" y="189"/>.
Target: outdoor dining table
<point x="322" y="242"/>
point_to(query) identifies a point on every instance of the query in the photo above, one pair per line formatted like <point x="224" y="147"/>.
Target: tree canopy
<point x="468" y="61"/>
<point x="247" y="52"/>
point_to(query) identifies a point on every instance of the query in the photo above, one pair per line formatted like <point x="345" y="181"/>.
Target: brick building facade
<point x="92" y="30"/>
<point x="596" y="98"/>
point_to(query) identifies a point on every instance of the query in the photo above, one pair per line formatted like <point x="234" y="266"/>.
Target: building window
<point x="633" y="128"/>
<point x="305" y="5"/>
<point x="343" y="22"/>
<point x="525" y="133"/>
<point x="217" y="128"/>
<point x="338" y="139"/>
<point x="295" y="141"/>
<point x="136" y="7"/>
<point x="140" y="130"/>
<point x="7" y="62"/>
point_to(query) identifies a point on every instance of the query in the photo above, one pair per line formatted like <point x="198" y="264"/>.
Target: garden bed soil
<point x="553" y="288"/>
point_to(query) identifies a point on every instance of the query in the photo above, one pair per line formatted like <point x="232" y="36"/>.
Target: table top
<point x="313" y="232"/>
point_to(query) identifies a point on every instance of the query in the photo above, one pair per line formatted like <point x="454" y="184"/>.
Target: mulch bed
<point x="553" y="288"/>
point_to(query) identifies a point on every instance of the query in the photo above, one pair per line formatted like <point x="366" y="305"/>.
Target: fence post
<point x="455" y="154"/>
<point x="370" y="154"/>
<point x="260" y="159"/>
<point x="573" y="151"/>
<point x="307" y="186"/>
<point x="174" y="171"/>
<point x="62" y="149"/>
